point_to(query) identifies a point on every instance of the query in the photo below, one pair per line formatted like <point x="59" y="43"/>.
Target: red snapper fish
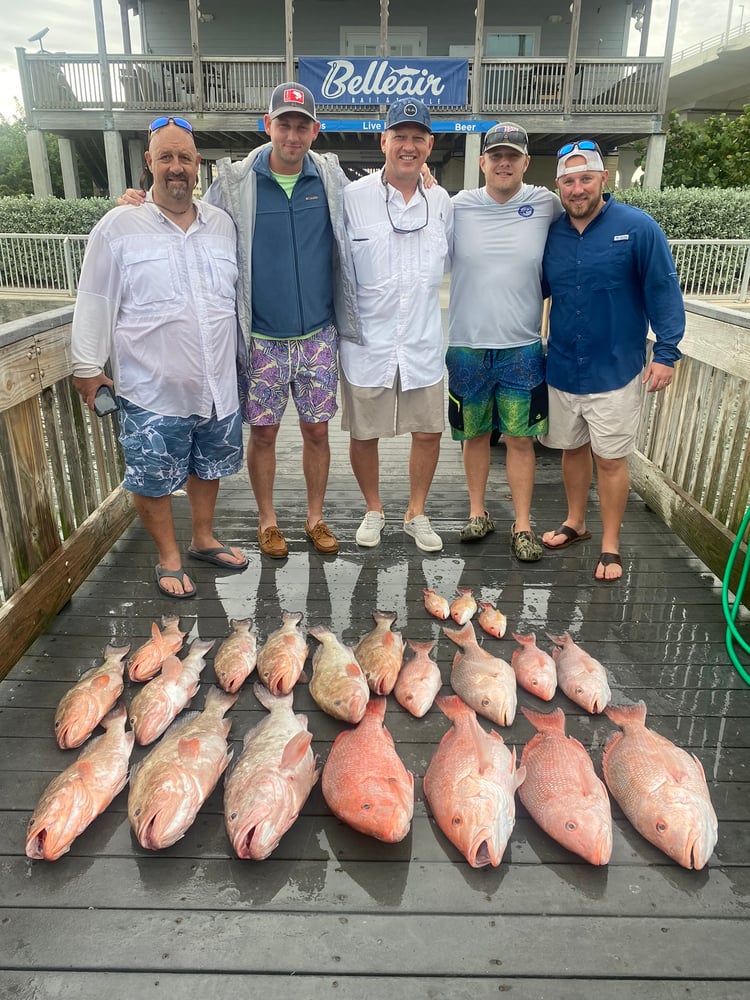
<point x="464" y="606"/>
<point x="485" y="682"/>
<point x="281" y="659"/>
<point x="562" y="792"/>
<point x="271" y="780"/>
<point x="170" y="784"/>
<point x="365" y="782"/>
<point x="470" y="786"/>
<point x="419" y="680"/>
<point x="534" y="668"/>
<point x="160" y="701"/>
<point x="380" y="653"/>
<point x="73" y="800"/>
<point x="582" y="678"/>
<point x="491" y="619"/>
<point x="148" y="658"/>
<point x="436" y="604"/>
<point x="660" y="787"/>
<point x="236" y="657"/>
<point x="338" y="683"/>
<point x="83" y="707"/>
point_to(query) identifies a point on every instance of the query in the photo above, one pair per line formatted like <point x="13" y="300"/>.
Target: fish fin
<point x="462" y="636"/>
<point x="188" y="750"/>
<point x="295" y="750"/>
<point x="116" y="651"/>
<point x="118" y="714"/>
<point x="101" y="682"/>
<point x="452" y="706"/>
<point x="546" y="722"/>
<point x="222" y="700"/>
<point x="525" y="640"/>
<point x="171" y="668"/>
<point x="291" y="617"/>
<point x="421" y="647"/>
<point x="385" y="616"/>
<point x="560" y="640"/>
<point x="623" y="715"/>
<point x="520" y="776"/>
<point x="353" y="669"/>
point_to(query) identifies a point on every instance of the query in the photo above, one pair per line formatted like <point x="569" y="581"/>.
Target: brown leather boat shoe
<point x="322" y="538"/>
<point x="272" y="542"/>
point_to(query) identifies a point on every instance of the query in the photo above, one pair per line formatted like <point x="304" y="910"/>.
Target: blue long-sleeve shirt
<point x="607" y="284"/>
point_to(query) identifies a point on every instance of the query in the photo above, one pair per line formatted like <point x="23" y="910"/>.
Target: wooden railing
<point x="692" y="465"/>
<point x="61" y="505"/>
<point x="64" y="82"/>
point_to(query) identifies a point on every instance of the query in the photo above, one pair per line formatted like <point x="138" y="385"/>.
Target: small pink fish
<point x="83" y="707"/>
<point x="236" y="656"/>
<point x="437" y="606"/>
<point x="148" y="658"/>
<point x="419" y="680"/>
<point x="464" y="606"/>
<point x="379" y="653"/>
<point x="492" y="620"/>
<point x="582" y="678"/>
<point x="534" y="668"/>
<point x="282" y="657"/>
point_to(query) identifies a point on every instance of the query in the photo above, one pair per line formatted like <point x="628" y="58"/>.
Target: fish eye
<point x="366" y="805"/>
<point x="138" y="812"/>
<point x="233" y="816"/>
<point x="571" y="825"/>
<point x="485" y="702"/>
<point x="457" y="821"/>
<point x="661" y="826"/>
<point x="534" y="682"/>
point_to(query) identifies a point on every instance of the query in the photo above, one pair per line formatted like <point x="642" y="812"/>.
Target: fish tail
<point x="385" y="616"/>
<point x="453" y="707"/>
<point x="202" y="645"/>
<point x="116" y="715"/>
<point x="376" y="707"/>
<point x="168" y="620"/>
<point x="546" y="722"/>
<point x="220" y="701"/>
<point x="461" y="636"/>
<point x="291" y="617"/>
<point x="421" y="647"/>
<point x="559" y="640"/>
<point x="270" y="701"/>
<point x="241" y="624"/>
<point x="319" y="632"/>
<point x="116" y="651"/>
<point x="464" y="590"/>
<point x="624" y="715"/>
<point x="525" y="640"/>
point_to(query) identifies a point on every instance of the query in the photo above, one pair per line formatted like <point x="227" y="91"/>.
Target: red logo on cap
<point x="293" y="96"/>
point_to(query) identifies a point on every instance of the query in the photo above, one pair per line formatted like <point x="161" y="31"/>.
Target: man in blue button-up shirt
<point x="610" y="272"/>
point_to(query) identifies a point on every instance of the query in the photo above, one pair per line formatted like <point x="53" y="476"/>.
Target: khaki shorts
<point x="383" y="413"/>
<point x="607" y="420"/>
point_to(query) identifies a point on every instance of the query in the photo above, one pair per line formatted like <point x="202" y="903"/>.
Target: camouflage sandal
<point x="525" y="545"/>
<point x="476" y="528"/>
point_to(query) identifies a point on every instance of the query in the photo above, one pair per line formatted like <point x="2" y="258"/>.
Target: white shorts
<point x="607" y="420"/>
<point x="375" y="412"/>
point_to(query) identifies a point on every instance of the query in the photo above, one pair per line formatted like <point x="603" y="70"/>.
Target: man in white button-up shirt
<point x="157" y="299"/>
<point x="392" y="383"/>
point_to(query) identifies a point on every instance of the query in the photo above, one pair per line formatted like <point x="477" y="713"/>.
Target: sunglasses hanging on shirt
<point x="394" y="227"/>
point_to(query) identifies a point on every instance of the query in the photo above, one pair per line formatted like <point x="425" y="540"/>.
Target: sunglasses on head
<point x="158" y="123"/>
<point x="587" y="144"/>
<point x="502" y="136"/>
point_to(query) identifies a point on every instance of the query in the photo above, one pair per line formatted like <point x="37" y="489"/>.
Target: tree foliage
<point x="712" y="153"/>
<point x="15" y="169"/>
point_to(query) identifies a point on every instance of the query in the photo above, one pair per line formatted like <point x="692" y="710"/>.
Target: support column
<point x="69" y="166"/>
<point x="471" y="160"/>
<point x="654" y="165"/>
<point x="136" y="149"/>
<point x="115" y="163"/>
<point x="39" y="161"/>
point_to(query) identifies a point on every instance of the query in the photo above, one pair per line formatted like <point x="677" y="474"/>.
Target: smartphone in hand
<point x="105" y="401"/>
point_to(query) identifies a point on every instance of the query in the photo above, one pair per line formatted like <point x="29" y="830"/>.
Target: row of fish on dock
<point x="469" y="784"/>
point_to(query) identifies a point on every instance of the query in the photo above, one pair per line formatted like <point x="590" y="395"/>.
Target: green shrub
<point x="25" y="214"/>
<point x="695" y="213"/>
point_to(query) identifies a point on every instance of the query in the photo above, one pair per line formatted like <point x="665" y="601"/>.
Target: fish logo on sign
<point x="293" y="96"/>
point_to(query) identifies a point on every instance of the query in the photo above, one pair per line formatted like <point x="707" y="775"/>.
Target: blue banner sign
<point x="376" y="125"/>
<point x="436" y="82"/>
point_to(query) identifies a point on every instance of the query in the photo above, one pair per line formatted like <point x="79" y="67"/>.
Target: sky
<point x="71" y="29"/>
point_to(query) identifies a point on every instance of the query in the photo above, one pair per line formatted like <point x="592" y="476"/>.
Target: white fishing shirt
<point x="496" y="275"/>
<point x="159" y="303"/>
<point x="398" y="278"/>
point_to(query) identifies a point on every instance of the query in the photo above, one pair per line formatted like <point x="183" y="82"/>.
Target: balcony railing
<point x="151" y="83"/>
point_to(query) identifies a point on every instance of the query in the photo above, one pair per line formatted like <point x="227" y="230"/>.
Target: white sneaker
<point x="421" y="531"/>
<point x="369" y="531"/>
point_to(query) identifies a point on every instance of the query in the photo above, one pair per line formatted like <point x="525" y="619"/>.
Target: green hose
<point x="730" y="614"/>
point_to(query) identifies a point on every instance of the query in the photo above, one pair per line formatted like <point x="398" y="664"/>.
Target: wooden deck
<point x="333" y="913"/>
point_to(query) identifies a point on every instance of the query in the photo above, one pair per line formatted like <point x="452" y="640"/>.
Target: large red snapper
<point x="271" y="779"/>
<point x="380" y="652"/>
<point x="282" y="657"/>
<point x="485" y="682"/>
<point x="660" y="787"/>
<point x="365" y="782"/>
<point x="168" y="787"/>
<point x="470" y="786"/>
<point x="82" y="792"/>
<point x="338" y="684"/>
<point x="582" y="678"/>
<point x="562" y="792"/>
<point x="83" y="707"/>
<point x="534" y="668"/>
<point x="148" y="658"/>
<point x="160" y="701"/>
<point x="236" y="657"/>
<point x="419" y="680"/>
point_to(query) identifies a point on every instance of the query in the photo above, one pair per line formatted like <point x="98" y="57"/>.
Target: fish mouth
<point x="697" y="852"/>
<point x="35" y="847"/>
<point x="482" y="851"/>
<point x="256" y="842"/>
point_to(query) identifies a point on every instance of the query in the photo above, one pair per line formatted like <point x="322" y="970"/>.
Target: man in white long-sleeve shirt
<point x="392" y="383"/>
<point x="157" y="299"/>
<point x="495" y="359"/>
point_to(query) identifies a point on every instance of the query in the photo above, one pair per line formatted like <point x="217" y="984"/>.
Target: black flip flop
<point x="175" y="574"/>
<point x="212" y="556"/>
<point x="608" y="559"/>
<point x="571" y="535"/>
